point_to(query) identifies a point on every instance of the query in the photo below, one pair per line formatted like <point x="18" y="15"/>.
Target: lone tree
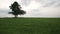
<point x="16" y="9"/>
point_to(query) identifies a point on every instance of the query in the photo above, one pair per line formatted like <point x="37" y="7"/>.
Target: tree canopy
<point x="16" y="9"/>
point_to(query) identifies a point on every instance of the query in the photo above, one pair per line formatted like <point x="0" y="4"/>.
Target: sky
<point x="33" y="8"/>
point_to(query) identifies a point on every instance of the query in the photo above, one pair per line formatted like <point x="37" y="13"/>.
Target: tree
<point x="16" y="9"/>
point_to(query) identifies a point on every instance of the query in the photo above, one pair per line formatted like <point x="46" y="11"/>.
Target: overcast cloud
<point x="34" y="8"/>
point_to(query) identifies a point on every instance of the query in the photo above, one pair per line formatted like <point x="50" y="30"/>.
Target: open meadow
<point x="29" y="25"/>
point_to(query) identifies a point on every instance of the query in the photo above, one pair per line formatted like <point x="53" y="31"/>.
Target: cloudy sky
<point x="33" y="8"/>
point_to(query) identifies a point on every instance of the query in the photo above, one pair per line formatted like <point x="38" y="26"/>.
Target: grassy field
<point x="29" y="25"/>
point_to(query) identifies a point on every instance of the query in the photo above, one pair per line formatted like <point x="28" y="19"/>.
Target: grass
<point x="29" y="25"/>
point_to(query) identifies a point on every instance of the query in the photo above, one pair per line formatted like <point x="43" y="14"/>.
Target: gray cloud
<point x="44" y="3"/>
<point x="26" y="2"/>
<point x="4" y="12"/>
<point x="45" y="10"/>
<point x="49" y="3"/>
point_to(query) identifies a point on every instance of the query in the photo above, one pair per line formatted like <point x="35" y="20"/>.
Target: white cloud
<point x="33" y="5"/>
<point x="25" y="2"/>
<point x="39" y="8"/>
<point x="4" y="4"/>
<point x="49" y="3"/>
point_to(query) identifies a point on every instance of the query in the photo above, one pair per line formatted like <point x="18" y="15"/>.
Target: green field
<point x="29" y="25"/>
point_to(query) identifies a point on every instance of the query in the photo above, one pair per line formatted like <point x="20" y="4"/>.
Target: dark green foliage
<point x="16" y="10"/>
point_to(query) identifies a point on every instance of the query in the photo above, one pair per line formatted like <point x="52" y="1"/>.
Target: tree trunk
<point x="16" y="16"/>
